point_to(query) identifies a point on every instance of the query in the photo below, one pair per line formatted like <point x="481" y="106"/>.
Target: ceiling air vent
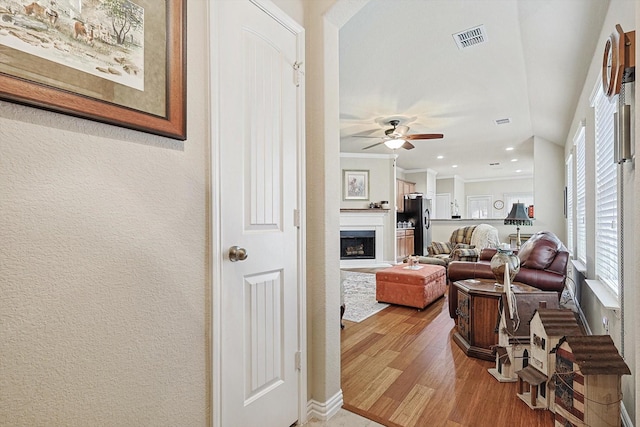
<point x="503" y="121"/>
<point x="470" y="37"/>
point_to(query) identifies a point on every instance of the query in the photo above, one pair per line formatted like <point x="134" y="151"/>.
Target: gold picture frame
<point x="78" y="61"/>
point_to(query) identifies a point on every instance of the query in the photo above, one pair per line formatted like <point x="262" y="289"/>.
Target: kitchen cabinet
<point x="405" y="241"/>
<point x="403" y="187"/>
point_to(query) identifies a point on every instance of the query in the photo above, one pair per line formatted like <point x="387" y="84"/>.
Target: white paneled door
<point x="258" y="139"/>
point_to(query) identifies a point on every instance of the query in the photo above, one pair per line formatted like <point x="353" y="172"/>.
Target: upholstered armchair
<point x="543" y="265"/>
<point x="464" y="244"/>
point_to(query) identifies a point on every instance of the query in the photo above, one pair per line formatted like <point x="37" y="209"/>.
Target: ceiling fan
<point x="397" y="137"/>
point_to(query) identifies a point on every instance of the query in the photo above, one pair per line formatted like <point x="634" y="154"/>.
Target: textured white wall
<point x="103" y="270"/>
<point x="627" y="14"/>
<point x="549" y="187"/>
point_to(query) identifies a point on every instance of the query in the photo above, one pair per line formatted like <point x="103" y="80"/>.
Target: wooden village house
<point x="546" y="328"/>
<point x="588" y="381"/>
<point x="512" y="351"/>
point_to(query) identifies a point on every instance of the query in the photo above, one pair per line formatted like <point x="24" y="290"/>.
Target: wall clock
<point x="498" y="204"/>
<point x="613" y="62"/>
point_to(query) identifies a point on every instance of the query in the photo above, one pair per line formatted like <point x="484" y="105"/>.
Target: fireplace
<point x="372" y="223"/>
<point x="357" y="244"/>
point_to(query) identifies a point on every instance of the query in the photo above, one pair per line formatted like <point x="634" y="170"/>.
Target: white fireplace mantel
<point x="362" y="220"/>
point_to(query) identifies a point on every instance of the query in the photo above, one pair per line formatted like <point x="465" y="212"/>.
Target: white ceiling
<point x="398" y="59"/>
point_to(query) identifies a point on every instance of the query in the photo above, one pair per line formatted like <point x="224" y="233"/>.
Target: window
<point x="478" y="207"/>
<point x="606" y="196"/>
<point x="581" y="223"/>
<point x="569" y="203"/>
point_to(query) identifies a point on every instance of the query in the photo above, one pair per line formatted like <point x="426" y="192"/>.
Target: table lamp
<point x="518" y="216"/>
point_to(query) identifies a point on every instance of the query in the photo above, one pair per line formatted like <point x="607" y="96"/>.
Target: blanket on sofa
<point x="485" y="236"/>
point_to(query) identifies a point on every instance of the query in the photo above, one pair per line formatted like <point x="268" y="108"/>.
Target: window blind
<point x="606" y="193"/>
<point x="569" y="204"/>
<point x="581" y="224"/>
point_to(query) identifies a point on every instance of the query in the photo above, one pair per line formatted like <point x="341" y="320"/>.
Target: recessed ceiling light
<point x="509" y="148"/>
<point x="514" y="160"/>
<point x="440" y="157"/>
<point x="518" y="170"/>
<point x="454" y="166"/>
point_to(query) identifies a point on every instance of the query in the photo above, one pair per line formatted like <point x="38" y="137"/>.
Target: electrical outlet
<point x="605" y="323"/>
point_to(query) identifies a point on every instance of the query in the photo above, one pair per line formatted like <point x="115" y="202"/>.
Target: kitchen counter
<point x="364" y="210"/>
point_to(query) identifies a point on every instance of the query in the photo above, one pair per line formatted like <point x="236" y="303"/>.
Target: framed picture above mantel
<point x="115" y="61"/>
<point x="355" y="184"/>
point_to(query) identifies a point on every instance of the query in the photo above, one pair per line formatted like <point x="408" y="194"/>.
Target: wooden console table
<point x="478" y="313"/>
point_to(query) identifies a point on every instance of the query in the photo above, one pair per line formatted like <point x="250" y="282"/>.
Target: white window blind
<point x="569" y="204"/>
<point x="478" y="207"/>
<point x="581" y="223"/>
<point x="606" y="193"/>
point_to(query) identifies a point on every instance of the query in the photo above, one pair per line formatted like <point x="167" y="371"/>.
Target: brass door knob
<point x="236" y="253"/>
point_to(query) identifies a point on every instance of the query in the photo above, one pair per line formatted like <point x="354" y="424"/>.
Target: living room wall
<point x="497" y="190"/>
<point x="381" y="188"/>
<point x="622" y="323"/>
<point x="381" y="178"/>
<point x="104" y="254"/>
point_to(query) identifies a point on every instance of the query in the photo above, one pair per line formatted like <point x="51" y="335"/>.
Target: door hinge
<point x="298" y="360"/>
<point x="296" y="218"/>
<point x="297" y="73"/>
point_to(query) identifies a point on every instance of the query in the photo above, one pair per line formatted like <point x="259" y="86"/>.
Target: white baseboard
<point x="323" y="411"/>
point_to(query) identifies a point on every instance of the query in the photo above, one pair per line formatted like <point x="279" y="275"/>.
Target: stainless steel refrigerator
<point x="418" y="211"/>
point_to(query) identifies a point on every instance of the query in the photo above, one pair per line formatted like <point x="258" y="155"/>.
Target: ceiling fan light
<point x="394" y="144"/>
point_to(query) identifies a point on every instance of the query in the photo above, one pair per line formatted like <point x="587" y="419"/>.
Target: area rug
<point x="360" y="296"/>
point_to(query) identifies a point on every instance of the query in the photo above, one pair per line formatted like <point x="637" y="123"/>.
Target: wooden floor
<point x="401" y="367"/>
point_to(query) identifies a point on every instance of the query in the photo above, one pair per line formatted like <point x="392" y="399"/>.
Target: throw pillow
<point x="538" y="252"/>
<point x="438" y="248"/>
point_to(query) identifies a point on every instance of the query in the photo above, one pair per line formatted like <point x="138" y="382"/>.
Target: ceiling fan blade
<point x="373" y="145"/>
<point x="424" y="136"/>
<point x="408" y="146"/>
<point x="366" y="133"/>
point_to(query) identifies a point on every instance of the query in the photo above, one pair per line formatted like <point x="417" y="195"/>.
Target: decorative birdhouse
<point x="588" y="386"/>
<point x="546" y="328"/>
<point x="512" y="352"/>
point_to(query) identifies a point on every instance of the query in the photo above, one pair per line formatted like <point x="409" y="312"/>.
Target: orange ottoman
<point x="415" y="288"/>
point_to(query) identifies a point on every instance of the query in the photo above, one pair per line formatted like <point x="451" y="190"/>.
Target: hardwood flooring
<point x="400" y="367"/>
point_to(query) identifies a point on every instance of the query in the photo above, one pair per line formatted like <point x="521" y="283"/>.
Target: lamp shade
<point x="394" y="144"/>
<point x="518" y="215"/>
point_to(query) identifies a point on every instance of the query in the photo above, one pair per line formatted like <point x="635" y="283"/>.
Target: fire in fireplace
<point x="357" y="244"/>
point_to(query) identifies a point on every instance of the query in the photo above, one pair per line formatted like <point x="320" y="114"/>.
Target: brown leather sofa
<point x="543" y="264"/>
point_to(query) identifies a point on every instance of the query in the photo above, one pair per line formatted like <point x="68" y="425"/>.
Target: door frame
<point x="216" y="251"/>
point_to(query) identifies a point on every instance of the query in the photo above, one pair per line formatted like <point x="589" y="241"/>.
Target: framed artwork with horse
<point x="112" y="61"/>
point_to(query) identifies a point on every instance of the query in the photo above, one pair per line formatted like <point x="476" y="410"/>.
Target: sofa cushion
<point x="437" y="248"/>
<point x="539" y="251"/>
<point x="463" y="246"/>
<point x="462" y="235"/>
<point x="465" y="253"/>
